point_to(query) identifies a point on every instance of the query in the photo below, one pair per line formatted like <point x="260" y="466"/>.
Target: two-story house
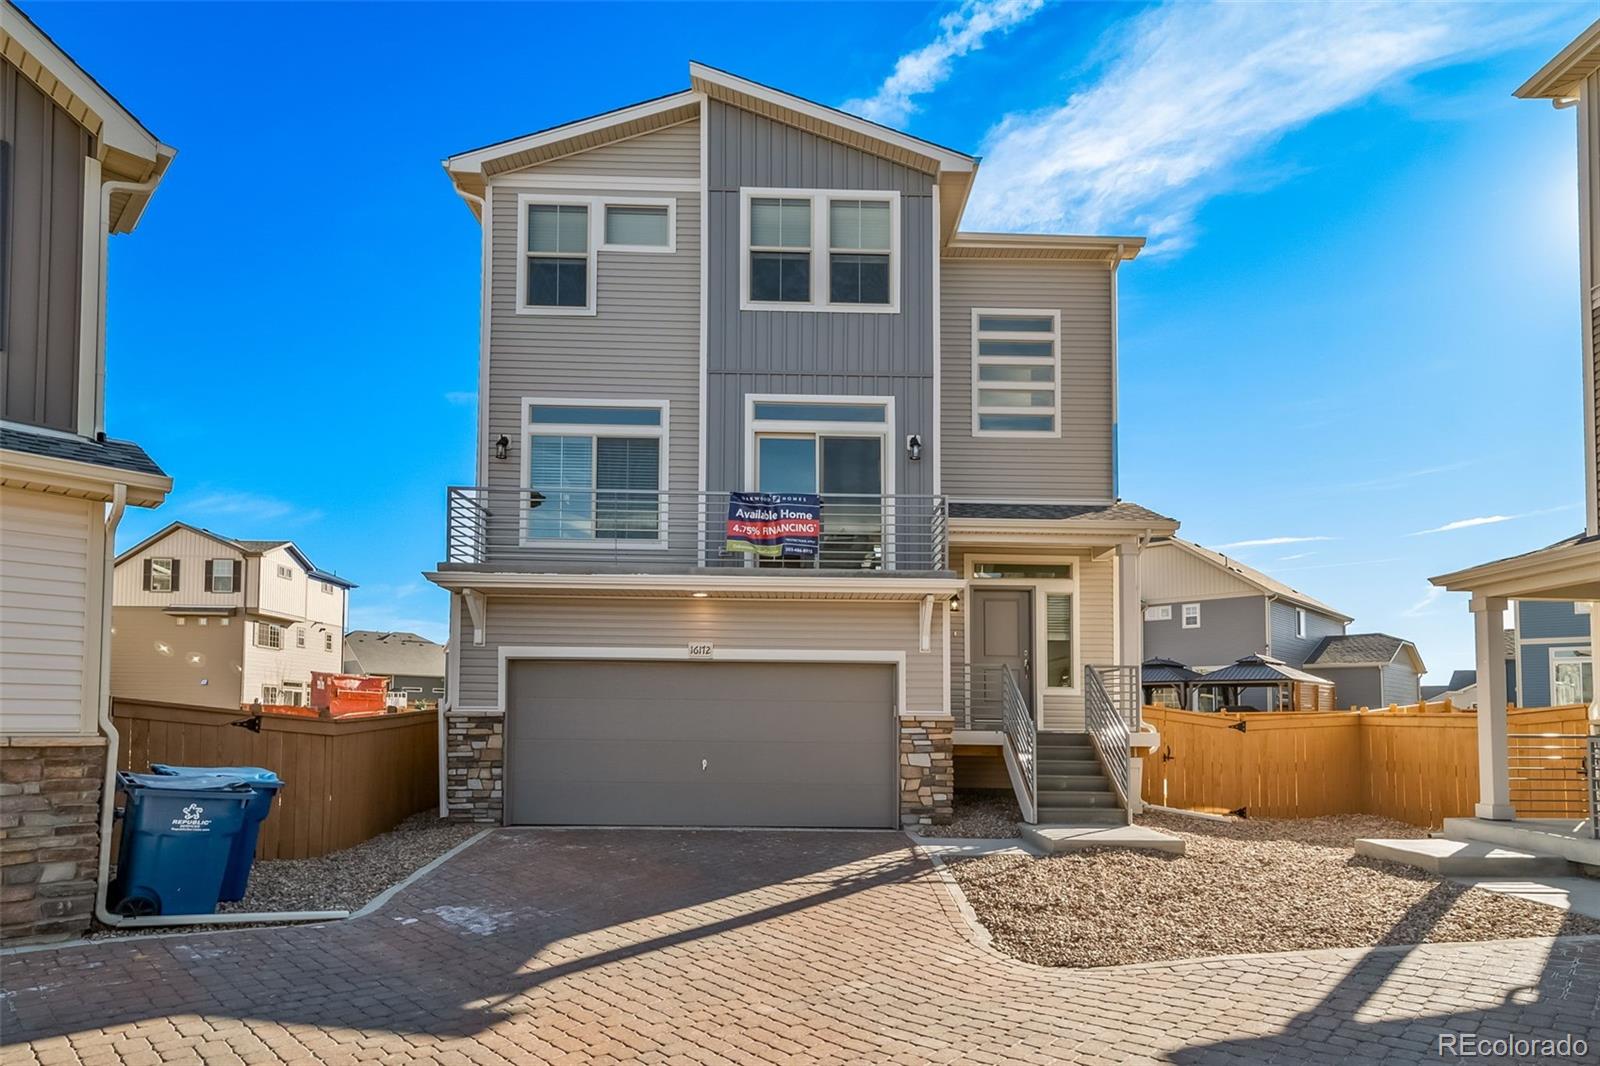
<point x="787" y="485"/>
<point x="1568" y="570"/>
<point x="75" y="167"/>
<point x="1204" y="610"/>
<point x="204" y="620"/>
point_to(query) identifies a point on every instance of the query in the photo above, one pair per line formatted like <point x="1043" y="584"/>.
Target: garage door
<point x="680" y="743"/>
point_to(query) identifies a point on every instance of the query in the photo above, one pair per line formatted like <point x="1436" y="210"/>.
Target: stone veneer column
<point x="475" y="767"/>
<point x="927" y="771"/>
<point x="49" y="835"/>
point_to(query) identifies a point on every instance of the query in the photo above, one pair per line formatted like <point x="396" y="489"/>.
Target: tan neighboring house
<point x="728" y="290"/>
<point x="79" y="167"/>
<point x="204" y="620"/>
<point x="1569" y="569"/>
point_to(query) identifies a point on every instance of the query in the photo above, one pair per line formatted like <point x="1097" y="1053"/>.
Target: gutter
<point x="108" y="787"/>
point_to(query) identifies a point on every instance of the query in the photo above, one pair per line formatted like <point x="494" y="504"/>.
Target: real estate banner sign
<point x="774" y="524"/>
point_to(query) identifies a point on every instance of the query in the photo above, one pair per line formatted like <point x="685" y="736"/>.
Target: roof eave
<point x="1558" y="79"/>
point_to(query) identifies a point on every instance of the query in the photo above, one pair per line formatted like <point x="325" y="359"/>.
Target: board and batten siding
<point x="1168" y="573"/>
<point x="812" y="352"/>
<point x="1077" y="465"/>
<point x="643" y="343"/>
<point x="834" y="625"/>
<point x="1094" y="601"/>
<point x="51" y="552"/>
<point x="1295" y="650"/>
<point x="41" y="261"/>
<point x="192" y="550"/>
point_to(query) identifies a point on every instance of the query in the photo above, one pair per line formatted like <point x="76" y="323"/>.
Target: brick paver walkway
<point x="691" y="947"/>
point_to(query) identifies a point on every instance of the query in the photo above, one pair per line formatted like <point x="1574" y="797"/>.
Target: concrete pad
<point x="1056" y="839"/>
<point x="971" y="847"/>
<point x="1580" y="895"/>
<point x="1568" y="838"/>
<point x="1462" y="857"/>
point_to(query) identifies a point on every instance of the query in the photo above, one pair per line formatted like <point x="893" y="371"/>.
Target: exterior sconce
<point x="502" y="446"/>
<point x="914" y="447"/>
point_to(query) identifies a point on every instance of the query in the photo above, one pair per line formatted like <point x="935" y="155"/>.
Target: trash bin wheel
<point x="143" y="904"/>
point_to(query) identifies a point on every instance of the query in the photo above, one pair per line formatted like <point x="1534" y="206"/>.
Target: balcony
<point x="578" y="531"/>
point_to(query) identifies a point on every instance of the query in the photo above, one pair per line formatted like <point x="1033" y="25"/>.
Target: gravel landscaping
<point x="979" y="813"/>
<point x="1245" y="886"/>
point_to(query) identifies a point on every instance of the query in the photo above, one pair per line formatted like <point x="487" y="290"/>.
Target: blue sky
<point x="1357" y="320"/>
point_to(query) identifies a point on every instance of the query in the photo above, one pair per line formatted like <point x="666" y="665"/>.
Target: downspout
<point x="108" y="787"/>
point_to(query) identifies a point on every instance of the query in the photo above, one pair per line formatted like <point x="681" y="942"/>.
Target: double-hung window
<point x="1016" y="373"/>
<point x="161" y="575"/>
<point x="596" y="471"/>
<point x="858" y="251"/>
<point x="222" y="575"/>
<point x="1191" y="616"/>
<point x="780" y="250"/>
<point x="557" y="264"/>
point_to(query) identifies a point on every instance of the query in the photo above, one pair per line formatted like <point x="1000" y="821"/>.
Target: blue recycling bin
<point x="178" y="833"/>
<point x="265" y="784"/>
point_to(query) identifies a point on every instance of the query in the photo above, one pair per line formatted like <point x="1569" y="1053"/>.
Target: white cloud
<point x="1188" y="93"/>
<point x="1296" y="555"/>
<point x="1265" y="542"/>
<point x="1424" y="605"/>
<point x="243" y="507"/>
<point x="1467" y="523"/>
<point x="960" y="32"/>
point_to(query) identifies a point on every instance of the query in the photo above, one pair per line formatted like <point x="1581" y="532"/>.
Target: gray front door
<point x="1002" y="633"/>
<point x="608" y="742"/>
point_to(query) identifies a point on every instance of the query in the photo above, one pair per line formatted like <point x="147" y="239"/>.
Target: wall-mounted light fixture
<point x="502" y="446"/>
<point x="914" y="447"/>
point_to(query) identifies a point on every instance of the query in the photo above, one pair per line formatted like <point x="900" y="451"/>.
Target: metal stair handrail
<point x="1021" y="733"/>
<point x="1108" y="728"/>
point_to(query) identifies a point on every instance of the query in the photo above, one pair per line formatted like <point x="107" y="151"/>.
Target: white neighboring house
<point x="206" y="620"/>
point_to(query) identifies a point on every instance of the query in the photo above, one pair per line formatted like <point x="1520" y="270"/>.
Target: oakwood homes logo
<point x="191" y="822"/>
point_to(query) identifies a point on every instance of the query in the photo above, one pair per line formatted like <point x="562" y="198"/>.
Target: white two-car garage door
<point x="608" y="742"/>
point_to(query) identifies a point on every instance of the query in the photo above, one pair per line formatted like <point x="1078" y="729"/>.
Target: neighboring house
<point x="1570" y="569"/>
<point x="732" y="289"/>
<point x="1206" y="610"/>
<point x="75" y="166"/>
<point x="1369" y="669"/>
<point x="413" y="664"/>
<point x="1554" y="653"/>
<point x="205" y="620"/>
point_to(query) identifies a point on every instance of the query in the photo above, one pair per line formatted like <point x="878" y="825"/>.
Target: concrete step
<point x="1068" y="766"/>
<point x="1102" y="797"/>
<point x="1463" y="858"/>
<point x="1056" y="839"/>
<point x="1566" y="837"/>
<point x="1047" y="741"/>
<point x="1071" y="782"/>
<point x="1064" y="815"/>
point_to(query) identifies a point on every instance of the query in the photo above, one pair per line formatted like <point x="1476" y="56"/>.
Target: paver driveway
<point x="680" y="946"/>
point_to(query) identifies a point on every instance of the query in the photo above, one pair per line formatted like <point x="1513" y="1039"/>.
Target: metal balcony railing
<point x="515" y="527"/>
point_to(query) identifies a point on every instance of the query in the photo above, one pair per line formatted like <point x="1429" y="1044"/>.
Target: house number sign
<point x="700" y="650"/>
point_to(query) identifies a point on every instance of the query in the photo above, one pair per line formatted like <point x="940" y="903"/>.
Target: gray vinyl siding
<point x="672" y="152"/>
<point x="812" y="352"/>
<point x="1229" y="629"/>
<point x="1400" y="684"/>
<point x="1295" y="650"/>
<point x="642" y="344"/>
<point x="1538" y="619"/>
<point x="1075" y="466"/>
<point x="42" y="150"/>
<point x="1356" y="686"/>
<point x="657" y="622"/>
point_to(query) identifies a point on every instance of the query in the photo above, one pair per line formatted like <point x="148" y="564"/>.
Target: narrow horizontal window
<point x="818" y="412"/>
<point x="1010" y="372"/>
<point x="1017" y="423"/>
<point x="1014" y="571"/>
<point x="560" y="414"/>
<point x="1016" y="398"/>
<point x="1020" y="349"/>
<point x="636" y="226"/>
<point x="1016" y="324"/>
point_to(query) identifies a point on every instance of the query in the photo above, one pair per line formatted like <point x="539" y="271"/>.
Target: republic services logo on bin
<point x="191" y="822"/>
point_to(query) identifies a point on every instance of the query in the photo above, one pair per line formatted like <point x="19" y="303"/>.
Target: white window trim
<point x="1054" y="314"/>
<point x="524" y="201"/>
<point x="1573" y="653"/>
<point x="820" y="247"/>
<point x="255" y="636"/>
<point x="572" y="429"/>
<point x="668" y="202"/>
<point x="1184" y="614"/>
<point x="1041" y="587"/>
<point x="1300" y="623"/>
<point x="169" y="560"/>
<point x="233" y="577"/>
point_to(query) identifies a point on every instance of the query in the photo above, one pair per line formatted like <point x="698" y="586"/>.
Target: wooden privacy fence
<point x="1414" y="767"/>
<point x="345" y="780"/>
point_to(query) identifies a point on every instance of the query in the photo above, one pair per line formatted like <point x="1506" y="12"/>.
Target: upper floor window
<point x="327" y="587"/>
<point x="555" y="273"/>
<point x="819" y="250"/>
<point x="269" y="635"/>
<point x="327" y="642"/>
<point x="287" y="573"/>
<point x="1016" y="373"/>
<point x="597" y="471"/>
<point x="640" y="226"/>
<point x="161" y="575"/>
<point x="222" y="575"/>
<point x="1191" y="616"/>
<point x="299" y="636"/>
<point x="1300" y="622"/>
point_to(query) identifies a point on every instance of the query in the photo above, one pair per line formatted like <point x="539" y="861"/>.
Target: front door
<point x="1002" y="634"/>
